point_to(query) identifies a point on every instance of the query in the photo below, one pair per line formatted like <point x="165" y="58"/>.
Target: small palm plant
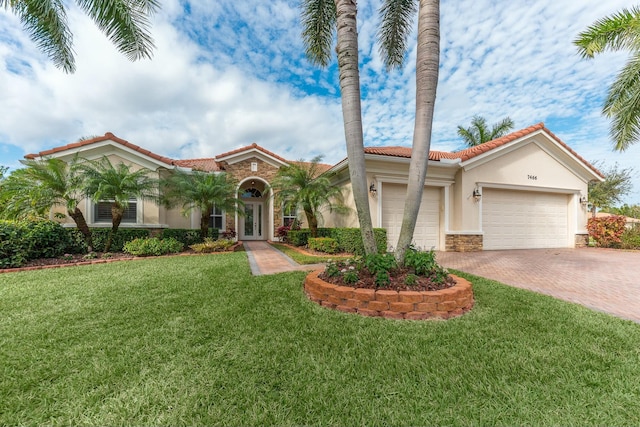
<point x="302" y="186"/>
<point x="117" y="184"/>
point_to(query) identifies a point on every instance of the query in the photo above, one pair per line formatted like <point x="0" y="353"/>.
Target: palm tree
<point x="320" y="19"/>
<point x="620" y="31"/>
<point x="479" y="133"/>
<point x="301" y="185"/>
<point x="125" y="22"/>
<point x="34" y="189"/>
<point x="396" y="22"/>
<point x="117" y="184"/>
<point x="203" y="191"/>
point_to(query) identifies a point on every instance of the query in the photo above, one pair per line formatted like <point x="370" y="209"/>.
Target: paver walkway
<point x="265" y="259"/>
<point x="602" y="279"/>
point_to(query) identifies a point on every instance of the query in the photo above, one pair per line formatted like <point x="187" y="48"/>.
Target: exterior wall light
<point x="476" y="195"/>
<point x="373" y="190"/>
<point x="583" y="201"/>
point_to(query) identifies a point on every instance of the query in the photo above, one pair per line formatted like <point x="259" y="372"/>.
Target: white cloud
<point x="228" y="73"/>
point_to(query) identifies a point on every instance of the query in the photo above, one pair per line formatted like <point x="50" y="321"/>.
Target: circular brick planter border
<point x="412" y="305"/>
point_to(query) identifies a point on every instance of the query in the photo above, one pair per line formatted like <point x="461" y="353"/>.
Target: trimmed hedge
<point x="323" y="244"/>
<point x="21" y="241"/>
<point x="349" y="239"/>
<point x="122" y="236"/>
<point x="187" y="236"/>
<point x="153" y="246"/>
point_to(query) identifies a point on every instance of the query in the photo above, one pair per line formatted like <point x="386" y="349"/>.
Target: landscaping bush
<point x="323" y="244"/>
<point x="350" y="240"/>
<point x="153" y="246"/>
<point x="76" y="242"/>
<point x="299" y="237"/>
<point x="122" y="236"/>
<point x="187" y="236"/>
<point x="209" y="245"/>
<point x="46" y="239"/>
<point x="630" y="238"/>
<point x="607" y="231"/>
<point x="13" y="247"/>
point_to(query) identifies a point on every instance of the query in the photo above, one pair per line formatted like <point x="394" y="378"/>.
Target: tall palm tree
<point x="396" y="23"/>
<point x="301" y="185"/>
<point x="320" y="19"/>
<point x="203" y="191"/>
<point x="125" y="22"/>
<point x="620" y="31"/>
<point x="41" y="184"/>
<point x="117" y="184"/>
<point x="479" y="132"/>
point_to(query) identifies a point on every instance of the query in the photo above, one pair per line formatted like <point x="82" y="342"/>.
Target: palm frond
<point x="318" y="24"/>
<point x="619" y="31"/>
<point x="622" y="105"/>
<point x="396" y="23"/>
<point x="46" y="23"/>
<point x="125" y="22"/>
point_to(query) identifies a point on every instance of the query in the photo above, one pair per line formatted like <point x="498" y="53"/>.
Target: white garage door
<point x="427" y="232"/>
<point x="524" y="219"/>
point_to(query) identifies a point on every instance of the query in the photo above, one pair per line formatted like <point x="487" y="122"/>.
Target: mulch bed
<point x="397" y="277"/>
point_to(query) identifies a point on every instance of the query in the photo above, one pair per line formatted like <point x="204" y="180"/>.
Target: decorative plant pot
<point x="411" y="305"/>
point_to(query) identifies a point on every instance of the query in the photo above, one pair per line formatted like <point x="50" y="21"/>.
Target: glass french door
<point x="252" y="221"/>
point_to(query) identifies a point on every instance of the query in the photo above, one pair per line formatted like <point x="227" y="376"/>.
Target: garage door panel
<point x="524" y="219"/>
<point x="427" y="231"/>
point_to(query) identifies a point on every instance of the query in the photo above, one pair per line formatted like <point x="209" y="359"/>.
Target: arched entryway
<point x="253" y="224"/>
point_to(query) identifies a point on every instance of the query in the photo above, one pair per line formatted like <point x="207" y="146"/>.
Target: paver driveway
<point x="602" y="279"/>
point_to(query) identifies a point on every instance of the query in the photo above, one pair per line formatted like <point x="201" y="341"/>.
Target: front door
<point x="252" y="221"/>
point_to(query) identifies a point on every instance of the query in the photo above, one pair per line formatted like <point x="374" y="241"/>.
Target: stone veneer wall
<point x="463" y="242"/>
<point x="266" y="172"/>
<point x="582" y="240"/>
<point x="411" y="305"/>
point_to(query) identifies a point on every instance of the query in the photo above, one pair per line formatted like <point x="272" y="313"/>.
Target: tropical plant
<point x="604" y="194"/>
<point x="301" y="185"/>
<point x="618" y="32"/>
<point x="396" y="23"/>
<point x="125" y="22"/>
<point x="117" y="184"/>
<point x="33" y="190"/>
<point x="320" y="20"/>
<point x="632" y="211"/>
<point x="479" y="132"/>
<point x="203" y="191"/>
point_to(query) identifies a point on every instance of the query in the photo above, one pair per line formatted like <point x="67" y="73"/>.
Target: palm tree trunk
<point x="427" y="63"/>
<point x="312" y="221"/>
<point x="81" y="223"/>
<point x="204" y="223"/>
<point x="347" y="50"/>
<point x="116" y="218"/>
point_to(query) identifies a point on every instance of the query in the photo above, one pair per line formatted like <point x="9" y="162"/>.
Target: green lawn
<point x="302" y="258"/>
<point x="199" y="341"/>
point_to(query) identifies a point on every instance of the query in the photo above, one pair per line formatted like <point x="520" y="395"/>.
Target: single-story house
<point x="527" y="189"/>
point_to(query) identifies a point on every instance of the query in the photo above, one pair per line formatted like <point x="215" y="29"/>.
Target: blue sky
<point x="226" y="74"/>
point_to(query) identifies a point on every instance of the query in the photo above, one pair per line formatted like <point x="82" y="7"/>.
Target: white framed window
<point x="217" y="218"/>
<point x="289" y="215"/>
<point x="102" y="212"/>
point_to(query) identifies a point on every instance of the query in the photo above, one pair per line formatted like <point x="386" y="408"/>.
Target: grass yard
<point x="302" y="258"/>
<point x="199" y="341"/>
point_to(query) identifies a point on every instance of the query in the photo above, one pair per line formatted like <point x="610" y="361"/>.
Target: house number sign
<point x="532" y="177"/>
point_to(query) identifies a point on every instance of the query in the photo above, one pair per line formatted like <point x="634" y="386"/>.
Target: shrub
<point x="630" y="238"/>
<point x="282" y="232"/>
<point x="323" y="244"/>
<point x="299" y="237"/>
<point x="77" y="243"/>
<point x="210" y="245"/>
<point x="422" y="263"/>
<point x="122" y="236"/>
<point x="350" y="239"/>
<point x="187" y="236"/>
<point x="46" y="239"/>
<point x="13" y="247"/>
<point x="607" y="231"/>
<point x="152" y="246"/>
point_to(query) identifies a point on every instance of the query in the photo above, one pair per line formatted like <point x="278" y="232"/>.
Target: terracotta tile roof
<point x="397" y="151"/>
<point x="250" y="147"/>
<point x="107" y="136"/>
<point x="322" y="167"/>
<point x="205" y="164"/>
<point x="472" y="152"/>
<point x="469" y="153"/>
